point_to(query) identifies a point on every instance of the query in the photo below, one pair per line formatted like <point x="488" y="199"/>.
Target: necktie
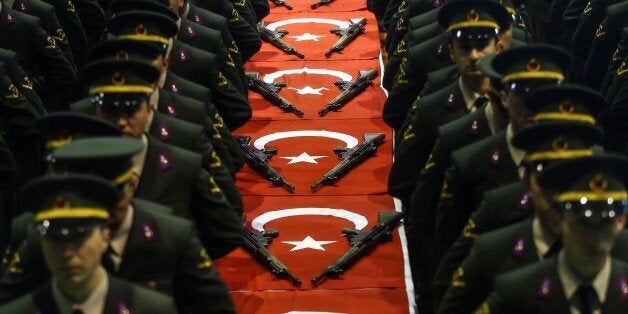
<point x="478" y="103"/>
<point x="107" y="260"/>
<point x="585" y="299"/>
<point x="77" y="311"/>
<point x="554" y="249"/>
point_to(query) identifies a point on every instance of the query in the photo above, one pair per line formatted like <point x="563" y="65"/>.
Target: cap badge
<point x="141" y="30"/>
<point x="117" y="79"/>
<point x="164" y="162"/>
<point x="524" y="202"/>
<point x="560" y="144"/>
<point x="61" y="203"/>
<point x="566" y="107"/>
<point x="473" y="16"/>
<point x="495" y="158"/>
<point x="616" y="55"/>
<point x="122" y="55"/>
<point x="623" y="288"/>
<point x="148" y="232"/>
<point x="533" y="65"/>
<point x="598" y="183"/>
<point x="164" y="133"/>
<point x="475" y="127"/>
<point x="171" y="110"/>
<point x="545" y="288"/>
<point x="519" y="249"/>
<point x="204" y="262"/>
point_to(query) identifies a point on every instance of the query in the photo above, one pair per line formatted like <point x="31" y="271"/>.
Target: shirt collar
<point x="120" y="237"/>
<point x="186" y="10"/>
<point x="9" y="3"/>
<point x="468" y="95"/>
<point x="543" y="239"/>
<point x="490" y="117"/>
<point x="95" y="302"/>
<point x="516" y="153"/>
<point x="140" y="158"/>
<point x="571" y="282"/>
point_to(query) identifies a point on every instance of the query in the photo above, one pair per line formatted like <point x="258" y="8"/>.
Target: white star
<point x="304" y="157"/>
<point x="308" y="243"/>
<point x="307" y="90"/>
<point x="306" y="36"/>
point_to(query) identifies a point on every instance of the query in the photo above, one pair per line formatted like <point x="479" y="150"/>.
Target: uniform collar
<point x="571" y="282"/>
<point x="490" y="114"/>
<point x="140" y="158"/>
<point x="516" y="153"/>
<point x="186" y="10"/>
<point x="468" y="95"/>
<point x="95" y="302"/>
<point x="543" y="239"/>
<point x="121" y="236"/>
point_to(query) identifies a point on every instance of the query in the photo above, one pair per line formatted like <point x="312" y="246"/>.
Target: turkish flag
<point x="305" y="154"/>
<point x="309" y="240"/>
<point x="305" y="6"/>
<point x="310" y="86"/>
<point x="309" y="34"/>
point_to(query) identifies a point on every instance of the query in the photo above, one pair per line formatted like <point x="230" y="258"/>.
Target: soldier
<point x="71" y="212"/>
<point x="120" y="94"/>
<point x="185" y="61"/>
<point x="492" y="161"/>
<point x="73" y="29"/>
<point x="590" y="202"/>
<point x="20" y="79"/>
<point x="179" y="267"/>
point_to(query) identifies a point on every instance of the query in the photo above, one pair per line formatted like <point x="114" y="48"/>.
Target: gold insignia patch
<point x="430" y="163"/>
<point x="229" y="61"/>
<point x="216" y="162"/>
<point x="456" y="278"/>
<point x="401" y="24"/>
<point x="52" y="44"/>
<point x="483" y="309"/>
<point x="588" y="8"/>
<point x="5" y="257"/>
<point x="70" y="7"/>
<point x="218" y="121"/>
<point x="222" y="80"/>
<point x="240" y="3"/>
<point x="616" y="55"/>
<point x="402" y="48"/>
<point x="401" y="76"/>
<point x="600" y="32"/>
<point x="14" y="266"/>
<point x="60" y="35"/>
<point x="233" y="48"/>
<point x="27" y="83"/>
<point x="205" y="262"/>
<point x="12" y="92"/>
<point x="444" y="192"/>
<point x="214" y="187"/>
<point x="622" y="69"/>
<point x="408" y="133"/>
<point x="469" y="230"/>
<point x="235" y="17"/>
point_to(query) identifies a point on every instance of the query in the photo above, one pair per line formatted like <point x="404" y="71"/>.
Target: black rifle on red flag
<point x="258" y="161"/>
<point x="362" y="242"/>
<point x="274" y="38"/>
<point x="347" y="35"/>
<point x="320" y="3"/>
<point x="281" y="3"/>
<point x="350" y="89"/>
<point x="351" y="157"/>
<point x="270" y="92"/>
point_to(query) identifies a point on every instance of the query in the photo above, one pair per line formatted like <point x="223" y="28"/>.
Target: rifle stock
<point x="270" y="92"/>
<point x="256" y="244"/>
<point x="361" y="243"/>
<point x="350" y="89"/>
<point x="347" y="35"/>
<point x="274" y="38"/>
<point x="281" y="3"/>
<point x="258" y="161"/>
<point x="320" y="3"/>
<point x="350" y="159"/>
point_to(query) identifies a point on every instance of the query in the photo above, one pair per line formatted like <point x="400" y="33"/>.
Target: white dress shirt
<point x="571" y="282"/>
<point x="94" y="304"/>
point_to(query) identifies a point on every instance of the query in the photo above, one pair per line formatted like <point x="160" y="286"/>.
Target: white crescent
<point x="358" y="220"/>
<point x="271" y="77"/>
<point x="274" y="25"/>
<point x="261" y="142"/>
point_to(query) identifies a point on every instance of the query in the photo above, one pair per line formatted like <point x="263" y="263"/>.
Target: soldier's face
<point x="542" y="204"/>
<point x="466" y="54"/>
<point x="505" y="40"/>
<point x="513" y="101"/>
<point x="589" y="238"/>
<point x="133" y="123"/>
<point x="75" y="262"/>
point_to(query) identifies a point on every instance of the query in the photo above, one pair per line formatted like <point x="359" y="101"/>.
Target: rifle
<point x="349" y="89"/>
<point x="281" y="3"/>
<point x="270" y="92"/>
<point x="320" y="3"/>
<point x="256" y="244"/>
<point x="347" y="35"/>
<point x="274" y="38"/>
<point x="361" y="243"/>
<point x="258" y="161"/>
<point x="350" y="158"/>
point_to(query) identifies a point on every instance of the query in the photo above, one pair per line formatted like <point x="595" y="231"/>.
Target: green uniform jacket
<point x="475" y="169"/>
<point x="175" y="177"/>
<point x="520" y="291"/>
<point x="71" y="24"/>
<point x="21" y="79"/>
<point x="245" y="35"/>
<point x="618" y="56"/>
<point x="133" y="298"/>
<point x="415" y="143"/>
<point x="39" y="57"/>
<point x="189" y="62"/>
<point x="163" y="253"/>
